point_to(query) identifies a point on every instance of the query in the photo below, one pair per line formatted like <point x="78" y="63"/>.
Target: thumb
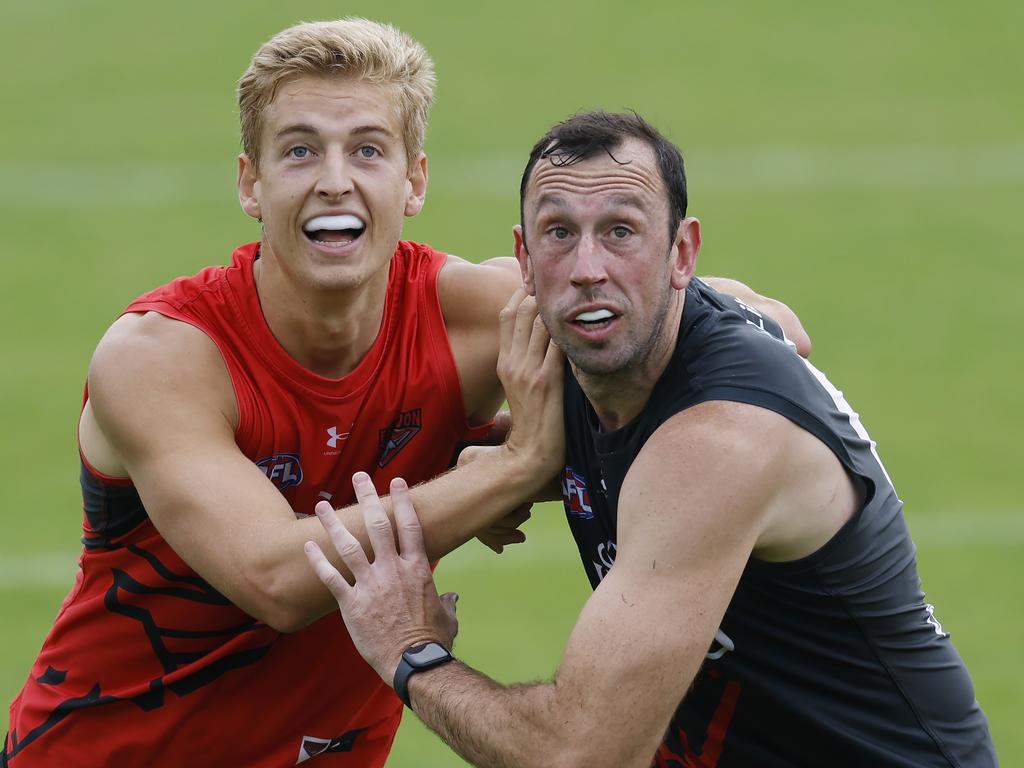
<point x="448" y="601"/>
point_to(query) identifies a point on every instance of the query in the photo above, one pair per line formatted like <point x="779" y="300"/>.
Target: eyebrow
<point x="296" y="128"/>
<point x="359" y="130"/>
<point x="626" y="201"/>
<point x="629" y="201"/>
<point x="548" y="199"/>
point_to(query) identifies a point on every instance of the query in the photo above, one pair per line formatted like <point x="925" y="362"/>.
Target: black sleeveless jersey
<point x="831" y="660"/>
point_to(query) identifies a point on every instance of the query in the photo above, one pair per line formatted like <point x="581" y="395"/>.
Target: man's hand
<point x="506" y="531"/>
<point x="531" y="369"/>
<point x="393" y="603"/>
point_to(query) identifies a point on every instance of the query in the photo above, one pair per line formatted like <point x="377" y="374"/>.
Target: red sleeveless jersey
<point x="146" y="663"/>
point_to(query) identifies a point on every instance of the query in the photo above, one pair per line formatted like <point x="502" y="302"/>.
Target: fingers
<point x="448" y="601"/>
<point x="378" y="526"/>
<point x="410" y="533"/>
<point x="519" y="515"/>
<point x="507" y="318"/>
<point x="524" y="338"/>
<point x="526" y="324"/>
<point x="554" y="361"/>
<point x="326" y="572"/>
<point x="347" y="545"/>
<point x="539" y="340"/>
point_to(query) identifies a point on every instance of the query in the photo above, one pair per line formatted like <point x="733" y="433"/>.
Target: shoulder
<point x="148" y="360"/>
<point x="706" y="470"/>
<point x="722" y="345"/>
<point x="739" y="469"/>
<point x="472" y="294"/>
<point x="145" y="339"/>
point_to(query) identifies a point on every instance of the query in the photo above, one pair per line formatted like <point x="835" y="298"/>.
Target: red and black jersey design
<point x="147" y="664"/>
<point x="834" y="659"/>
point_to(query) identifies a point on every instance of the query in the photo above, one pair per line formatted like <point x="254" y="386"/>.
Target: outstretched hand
<point x="393" y="603"/>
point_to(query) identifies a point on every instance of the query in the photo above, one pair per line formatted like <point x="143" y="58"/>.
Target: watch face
<point x="429" y="653"/>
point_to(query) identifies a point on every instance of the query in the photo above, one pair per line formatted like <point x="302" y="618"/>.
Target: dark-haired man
<point x="756" y="600"/>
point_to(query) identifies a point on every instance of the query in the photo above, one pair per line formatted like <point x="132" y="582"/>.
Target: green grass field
<point x="864" y="163"/>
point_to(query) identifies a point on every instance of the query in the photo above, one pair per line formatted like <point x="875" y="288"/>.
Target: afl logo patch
<point x="282" y="469"/>
<point x="575" y="495"/>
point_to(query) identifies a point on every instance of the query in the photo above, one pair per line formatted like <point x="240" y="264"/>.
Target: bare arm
<point x="642" y="635"/>
<point x="162" y="406"/>
<point x="471" y="296"/>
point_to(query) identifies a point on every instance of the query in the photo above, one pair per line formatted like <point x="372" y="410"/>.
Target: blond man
<point x="220" y="408"/>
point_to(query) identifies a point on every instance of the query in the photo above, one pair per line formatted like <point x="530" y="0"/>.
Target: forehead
<point x="326" y="103"/>
<point x="631" y="175"/>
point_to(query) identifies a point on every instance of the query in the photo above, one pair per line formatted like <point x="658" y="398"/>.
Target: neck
<point x="619" y="397"/>
<point x="327" y="331"/>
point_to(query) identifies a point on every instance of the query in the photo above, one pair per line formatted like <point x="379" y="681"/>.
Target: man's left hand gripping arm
<point x="684" y="538"/>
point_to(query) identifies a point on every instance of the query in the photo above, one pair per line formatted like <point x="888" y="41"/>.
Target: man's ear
<point x="416" y="186"/>
<point x="523" y="257"/>
<point x="248" y="187"/>
<point x="685" y="249"/>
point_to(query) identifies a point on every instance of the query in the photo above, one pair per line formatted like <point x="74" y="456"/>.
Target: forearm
<point x="489" y="724"/>
<point x="452" y="509"/>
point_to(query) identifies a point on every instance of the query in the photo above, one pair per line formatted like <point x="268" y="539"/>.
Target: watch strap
<point x="413" y="661"/>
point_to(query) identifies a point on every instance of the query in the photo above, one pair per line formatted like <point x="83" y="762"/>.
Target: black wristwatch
<point x="416" y="659"/>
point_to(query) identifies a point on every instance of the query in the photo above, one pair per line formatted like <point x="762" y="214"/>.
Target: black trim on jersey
<point x="111" y="510"/>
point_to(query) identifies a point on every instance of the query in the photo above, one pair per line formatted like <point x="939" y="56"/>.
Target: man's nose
<point x="335" y="178"/>
<point x="589" y="265"/>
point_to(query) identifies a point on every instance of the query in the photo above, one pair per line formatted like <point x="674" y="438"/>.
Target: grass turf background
<point x="864" y="164"/>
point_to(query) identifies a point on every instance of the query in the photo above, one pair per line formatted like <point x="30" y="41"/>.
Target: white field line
<point x="967" y="530"/>
<point x="497" y="174"/>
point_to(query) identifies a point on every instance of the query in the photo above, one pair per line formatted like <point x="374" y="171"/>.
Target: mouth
<point x="334" y="231"/>
<point x="595" y="319"/>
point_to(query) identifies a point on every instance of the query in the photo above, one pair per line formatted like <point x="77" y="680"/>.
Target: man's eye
<point x="299" y="153"/>
<point x="621" y="232"/>
<point x="559" y="233"/>
<point x="368" y="152"/>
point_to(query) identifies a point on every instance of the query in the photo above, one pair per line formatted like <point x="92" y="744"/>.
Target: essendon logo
<point x="312" y="746"/>
<point x="575" y="495"/>
<point x="396" y="436"/>
<point x="282" y="469"/>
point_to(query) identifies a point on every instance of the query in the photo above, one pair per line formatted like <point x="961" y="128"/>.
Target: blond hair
<point x="351" y="48"/>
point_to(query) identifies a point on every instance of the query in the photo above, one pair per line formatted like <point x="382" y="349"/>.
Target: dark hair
<point x="586" y="134"/>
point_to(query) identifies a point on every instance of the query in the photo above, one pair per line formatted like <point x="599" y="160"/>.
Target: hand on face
<point x="393" y="603"/>
<point x="531" y="369"/>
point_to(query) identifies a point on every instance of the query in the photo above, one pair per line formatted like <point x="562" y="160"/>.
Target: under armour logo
<point x="334" y="436"/>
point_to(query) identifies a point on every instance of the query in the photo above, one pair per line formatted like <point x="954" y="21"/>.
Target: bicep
<point x="690" y="512"/>
<point x="472" y="295"/>
<point x="161" y="400"/>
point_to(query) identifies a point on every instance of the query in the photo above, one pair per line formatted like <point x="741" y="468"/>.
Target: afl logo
<point x="575" y="495"/>
<point x="282" y="469"/>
